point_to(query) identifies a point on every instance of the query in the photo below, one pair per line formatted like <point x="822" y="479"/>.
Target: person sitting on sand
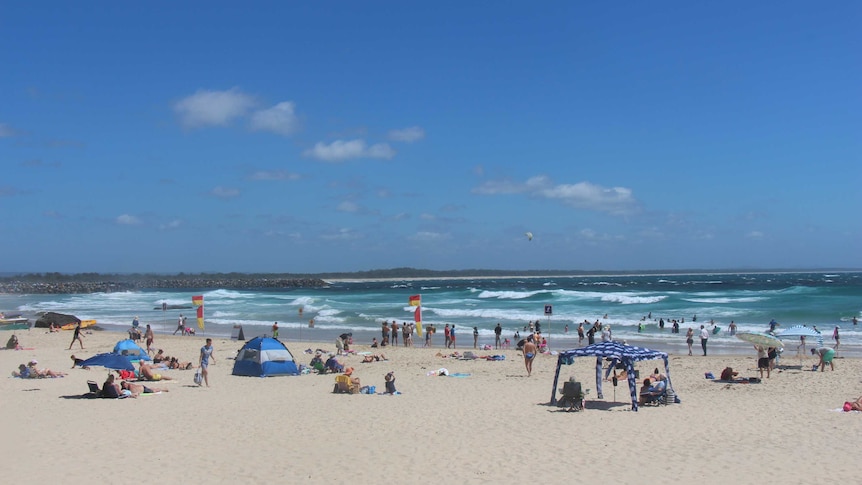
<point x="43" y="372"/>
<point x="354" y="380"/>
<point x="373" y="358"/>
<point x="332" y="365"/>
<point x="110" y="388"/>
<point x="53" y="328"/>
<point x="390" y="383"/>
<point x="651" y="389"/>
<point x="374" y="343"/>
<point x="12" y="343"/>
<point x="23" y="372"/>
<point x="728" y="374"/>
<point x="146" y="373"/>
<point x="78" y="362"/>
<point x="138" y="389"/>
<point x="160" y="357"/>
<point x="317" y="364"/>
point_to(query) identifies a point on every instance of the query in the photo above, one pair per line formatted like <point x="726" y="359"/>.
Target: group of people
<point x="389" y="333"/>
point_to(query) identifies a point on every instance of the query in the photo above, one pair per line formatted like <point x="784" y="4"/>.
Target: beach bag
<point x="199" y="376"/>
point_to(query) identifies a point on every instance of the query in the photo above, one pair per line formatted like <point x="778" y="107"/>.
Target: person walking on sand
<point x="689" y="338"/>
<point x="77" y="336"/>
<point x="206" y="355"/>
<point x="275" y="330"/>
<point x="452" y="336"/>
<point x="836" y="338"/>
<point x="498" y="332"/>
<point x="475" y="337"/>
<point x="529" y="354"/>
<point x="181" y="325"/>
<point x="704" y="337"/>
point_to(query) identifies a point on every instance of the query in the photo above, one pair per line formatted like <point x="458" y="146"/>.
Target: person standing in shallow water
<point x="704" y="337"/>
<point x="475" y="337"/>
<point x="689" y="338"/>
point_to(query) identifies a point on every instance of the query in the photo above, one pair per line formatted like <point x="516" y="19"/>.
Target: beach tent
<point x="616" y="352"/>
<point x="131" y="350"/>
<point x="797" y="331"/>
<point x="263" y="357"/>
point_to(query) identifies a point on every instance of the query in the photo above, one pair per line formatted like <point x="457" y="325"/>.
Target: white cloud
<point x="348" y="206"/>
<point x="614" y="200"/>
<point x="174" y="224"/>
<point x="407" y="135"/>
<point x="279" y="119"/>
<point x="273" y="175"/>
<point x="428" y="236"/>
<point x="755" y="235"/>
<point x="341" y="150"/>
<point x="127" y="220"/>
<point x="213" y="107"/>
<point x="6" y="131"/>
<point x="224" y="192"/>
<point x="343" y="234"/>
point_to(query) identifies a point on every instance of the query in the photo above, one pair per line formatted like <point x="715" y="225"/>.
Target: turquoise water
<point x="826" y="300"/>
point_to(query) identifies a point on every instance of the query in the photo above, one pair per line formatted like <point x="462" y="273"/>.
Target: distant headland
<point x="42" y="283"/>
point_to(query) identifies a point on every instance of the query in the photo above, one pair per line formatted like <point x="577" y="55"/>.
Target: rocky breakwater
<point x="9" y="285"/>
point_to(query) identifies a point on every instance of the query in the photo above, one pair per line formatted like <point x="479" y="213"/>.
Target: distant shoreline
<point x="54" y="283"/>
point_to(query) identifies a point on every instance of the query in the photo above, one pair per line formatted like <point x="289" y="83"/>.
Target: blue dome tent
<point x="263" y="357"/>
<point x="616" y="352"/>
<point x="131" y="350"/>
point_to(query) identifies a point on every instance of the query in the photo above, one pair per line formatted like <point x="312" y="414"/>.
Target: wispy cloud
<point x="127" y="220"/>
<point x="224" y="192"/>
<point x="6" y="131"/>
<point x="755" y="235"/>
<point x="429" y="236"/>
<point x="348" y="206"/>
<point x="343" y="234"/>
<point x="218" y="108"/>
<point x="174" y="224"/>
<point x="7" y="191"/>
<point x="341" y="150"/>
<point x="584" y="195"/>
<point x="407" y="135"/>
<point x="273" y="175"/>
<point x="279" y="119"/>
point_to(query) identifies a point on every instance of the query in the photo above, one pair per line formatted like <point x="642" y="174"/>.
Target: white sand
<point x="494" y="426"/>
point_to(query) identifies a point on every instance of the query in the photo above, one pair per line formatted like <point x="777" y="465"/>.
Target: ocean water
<point x="751" y="300"/>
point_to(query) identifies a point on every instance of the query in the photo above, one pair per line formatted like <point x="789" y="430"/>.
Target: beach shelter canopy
<point x="110" y="361"/>
<point x="131" y="350"/>
<point x="616" y="352"/>
<point x="801" y="331"/>
<point x="263" y="357"/>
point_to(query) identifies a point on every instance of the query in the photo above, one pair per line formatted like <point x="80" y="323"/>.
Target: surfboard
<point x="84" y="324"/>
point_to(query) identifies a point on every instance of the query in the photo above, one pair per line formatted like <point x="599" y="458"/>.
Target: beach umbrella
<point x="110" y="360"/>
<point x="801" y="331"/>
<point x="761" y="339"/>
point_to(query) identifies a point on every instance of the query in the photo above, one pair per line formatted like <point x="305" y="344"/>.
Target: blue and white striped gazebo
<point x="616" y="352"/>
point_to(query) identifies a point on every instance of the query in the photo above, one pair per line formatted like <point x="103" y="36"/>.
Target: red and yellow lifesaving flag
<point x="198" y="301"/>
<point x="416" y="300"/>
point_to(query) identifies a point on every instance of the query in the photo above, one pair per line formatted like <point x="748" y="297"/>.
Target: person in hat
<point x="354" y="380"/>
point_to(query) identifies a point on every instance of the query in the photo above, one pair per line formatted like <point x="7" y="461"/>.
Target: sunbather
<point x="12" y="343"/>
<point x="854" y="405"/>
<point x="651" y="390"/>
<point x="728" y="374"/>
<point x="147" y="373"/>
<point x="373" y="358"/>
<point x="43" y="372"/>
<point x="110" y="388"/>
<point x="332" y="365"/>
<point x="138" y="389"/>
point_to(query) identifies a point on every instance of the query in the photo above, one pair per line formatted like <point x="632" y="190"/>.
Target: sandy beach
<point x="494" y="425"/>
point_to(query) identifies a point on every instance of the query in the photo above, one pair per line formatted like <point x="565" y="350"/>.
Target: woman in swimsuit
<point x="529" y="355"/>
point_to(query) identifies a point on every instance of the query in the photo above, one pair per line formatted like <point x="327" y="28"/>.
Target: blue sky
<point x="344" y="136"/>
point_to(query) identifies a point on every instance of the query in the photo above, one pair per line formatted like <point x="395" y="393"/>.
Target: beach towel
<point x="459" y="374"/>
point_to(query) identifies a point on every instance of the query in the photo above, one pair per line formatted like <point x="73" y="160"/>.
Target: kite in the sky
<point x="529" y="235"/>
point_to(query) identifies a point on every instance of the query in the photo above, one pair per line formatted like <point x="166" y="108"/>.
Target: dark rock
<point x="58" y="319"/>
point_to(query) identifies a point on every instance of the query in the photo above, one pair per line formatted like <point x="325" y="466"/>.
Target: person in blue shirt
<point x="206" y="355"/>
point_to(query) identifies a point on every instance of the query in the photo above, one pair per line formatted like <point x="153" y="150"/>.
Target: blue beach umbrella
<point x="110" y="361"/>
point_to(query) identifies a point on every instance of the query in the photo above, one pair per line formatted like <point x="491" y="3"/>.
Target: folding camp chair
<point x="94" y="389"/>
<point x="344" y="384"/>
<point x="573" y="396"/>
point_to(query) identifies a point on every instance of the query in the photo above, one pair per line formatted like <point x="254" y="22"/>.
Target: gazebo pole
<point x="556" y="379"/>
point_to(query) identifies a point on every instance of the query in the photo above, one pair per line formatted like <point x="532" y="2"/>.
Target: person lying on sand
<point x="77" y="362"/>
<point x="147" y="373"/>
<point x="138" y="389"/>
<point x="373" y="358"/>
<point x="43" y="372"/>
